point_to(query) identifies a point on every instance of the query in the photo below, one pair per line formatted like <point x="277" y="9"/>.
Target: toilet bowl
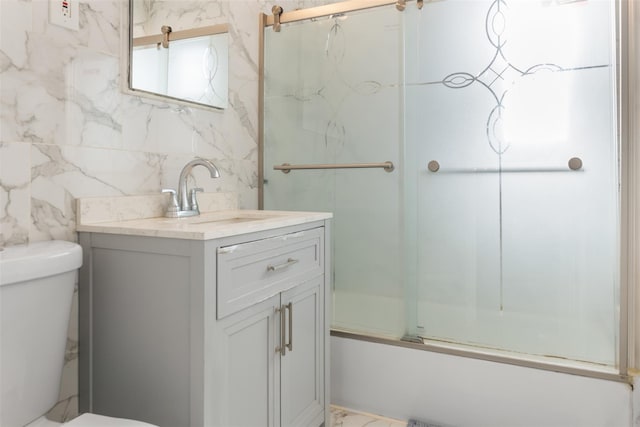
<point x="36" y="290"/>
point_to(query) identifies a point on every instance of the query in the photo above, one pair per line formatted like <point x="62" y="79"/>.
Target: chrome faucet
<point x="185" y="203"/>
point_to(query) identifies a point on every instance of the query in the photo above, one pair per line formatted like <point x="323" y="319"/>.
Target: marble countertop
<point x="140" y="216"/>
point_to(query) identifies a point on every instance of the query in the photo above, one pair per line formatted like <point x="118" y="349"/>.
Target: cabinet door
<point x="243" y="372"/>
<point x="302" y="366"/>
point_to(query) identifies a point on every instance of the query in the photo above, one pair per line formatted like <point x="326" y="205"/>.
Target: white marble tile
<point x="91" y="210"/>
<point x="15" y="171"/>
<point x="137" y="134"/>
<point x="182" y="14"/>
<point x="342" y="417"/>
<point x="60" y="175"/>
<point x="65" y="410"/>
<point x="48" y="221"/>
<point x="16" y="22"/>
<point x="94" y="102"/>
<point x="15" y="181"/>
<point x="96" y="172"/>
<point x="243" y="129"/>
<point x="69" y="385"/>
<point x="179" y="131"/>
<point x="29" y="112"/>
<point x="218" y="135"/>
<point x="247" y="183"/>
<point x="100" y="25"/>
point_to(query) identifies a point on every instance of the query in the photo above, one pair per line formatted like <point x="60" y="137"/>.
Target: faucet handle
<point x="194" y="200"/>
<point x="173" y="207"/>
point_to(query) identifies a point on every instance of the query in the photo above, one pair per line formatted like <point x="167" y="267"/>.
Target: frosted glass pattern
<point x="333" y="96"/>
<point x="504" y="246"/>
<point x="515" y="250"/>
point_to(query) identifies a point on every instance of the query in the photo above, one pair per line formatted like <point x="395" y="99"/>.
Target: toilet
<point x="36" y="289"/>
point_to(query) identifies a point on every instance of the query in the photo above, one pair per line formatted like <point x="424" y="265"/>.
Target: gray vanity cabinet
<point x="262" y="387"/>
<point x="223" y="332"/>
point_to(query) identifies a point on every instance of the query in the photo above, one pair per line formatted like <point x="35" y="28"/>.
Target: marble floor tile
<point x="343" y="417"/>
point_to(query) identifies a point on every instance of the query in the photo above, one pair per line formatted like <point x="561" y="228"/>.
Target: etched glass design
<point x="504" y="246"/>
<point x="332" y="95"/>
<point x="515" y="250"/>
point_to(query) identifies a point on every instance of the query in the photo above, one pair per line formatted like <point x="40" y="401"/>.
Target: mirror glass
<point x="190" y="63"/>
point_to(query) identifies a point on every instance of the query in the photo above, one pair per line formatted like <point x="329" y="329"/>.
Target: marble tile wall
<point x="67" y="129"/>
<point x="343" y="417"/>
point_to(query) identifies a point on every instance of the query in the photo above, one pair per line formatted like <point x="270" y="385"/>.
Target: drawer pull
<point x="289" y="262"/>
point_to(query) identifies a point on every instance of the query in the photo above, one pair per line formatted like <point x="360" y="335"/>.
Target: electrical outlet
<point x="64" y="13"/>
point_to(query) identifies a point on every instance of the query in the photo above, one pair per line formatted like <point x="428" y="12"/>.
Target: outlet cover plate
<point x="65" y="13"/>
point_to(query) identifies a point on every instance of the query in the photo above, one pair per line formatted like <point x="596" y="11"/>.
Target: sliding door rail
<point x="327" y="10"/>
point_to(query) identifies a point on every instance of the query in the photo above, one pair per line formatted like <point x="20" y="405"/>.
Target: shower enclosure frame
<point x="628" y="130"/>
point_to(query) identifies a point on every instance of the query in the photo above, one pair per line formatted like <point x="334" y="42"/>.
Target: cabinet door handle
<point x="290" y="308"/>
<point x="282" y="348"/>
<point x="289" y="262"/>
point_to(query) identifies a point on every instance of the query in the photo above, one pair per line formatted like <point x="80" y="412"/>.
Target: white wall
<point x="454" y="391"/>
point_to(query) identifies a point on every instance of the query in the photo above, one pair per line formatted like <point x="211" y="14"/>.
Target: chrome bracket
<point x="420" y="3"/>
<point x="401" y="5"/>
<point x="575" y="163"/>
<point x="277" y="12"/>
<point x="166" y="30"/>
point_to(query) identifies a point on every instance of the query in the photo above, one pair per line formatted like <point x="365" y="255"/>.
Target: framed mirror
<point x="187" y="65"/>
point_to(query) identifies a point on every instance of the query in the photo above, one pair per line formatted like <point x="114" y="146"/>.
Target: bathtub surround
<point x="459" y="391"/>
<point x="67" y="130"/>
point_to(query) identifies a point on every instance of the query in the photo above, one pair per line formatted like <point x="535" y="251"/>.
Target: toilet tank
<point x="36" y="289"/>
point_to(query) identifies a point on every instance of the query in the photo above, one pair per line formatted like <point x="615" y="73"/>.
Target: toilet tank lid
<point x="93" y="420"/>
<point x="39" y="259"/>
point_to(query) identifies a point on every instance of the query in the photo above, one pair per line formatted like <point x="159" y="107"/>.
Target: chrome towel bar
<point x="574" y="164"/>
<point x="286" y="167"/>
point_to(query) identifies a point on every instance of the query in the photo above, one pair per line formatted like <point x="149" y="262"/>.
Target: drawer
<point x="254" y="271"/>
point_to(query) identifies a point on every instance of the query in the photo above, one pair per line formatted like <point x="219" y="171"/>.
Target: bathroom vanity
<point x="215" y="320"/>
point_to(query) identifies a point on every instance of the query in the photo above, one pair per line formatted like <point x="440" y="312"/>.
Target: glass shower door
<point x="511" y="128"/>
<point x="333" y="97"/>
